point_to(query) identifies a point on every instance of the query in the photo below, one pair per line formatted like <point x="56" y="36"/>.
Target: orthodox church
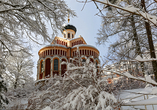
<point x="62" y="49"/>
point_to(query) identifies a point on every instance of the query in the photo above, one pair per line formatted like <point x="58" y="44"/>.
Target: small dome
<point x="69" y="26"/>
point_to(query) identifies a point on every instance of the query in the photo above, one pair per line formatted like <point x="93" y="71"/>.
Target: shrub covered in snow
<point x="80" y="88"/>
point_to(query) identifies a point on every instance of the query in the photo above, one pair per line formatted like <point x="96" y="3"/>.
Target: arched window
<point x="47" y="67"/>
<point x="68" y="35"/>
<point x="56" y="64"/>
<point x="41" y="67"/>
<point x="72" y="36"/>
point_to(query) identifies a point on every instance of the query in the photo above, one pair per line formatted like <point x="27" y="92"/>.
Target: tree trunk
<point x="150" y="41"/>
<point x="15" y="84"/>
<point x="138" y="48"/>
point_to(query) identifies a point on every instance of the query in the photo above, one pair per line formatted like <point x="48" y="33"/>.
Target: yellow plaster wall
<point x="69" y="31"/>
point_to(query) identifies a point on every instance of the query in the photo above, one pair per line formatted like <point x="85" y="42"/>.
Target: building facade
<point x="62" y="49"/>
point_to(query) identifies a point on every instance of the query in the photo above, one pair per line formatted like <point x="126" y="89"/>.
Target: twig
<point x="6" y="47"/>
<point x="84" y="5"/>
<point x="137" y="12"/>
<point x="98" y="9"/>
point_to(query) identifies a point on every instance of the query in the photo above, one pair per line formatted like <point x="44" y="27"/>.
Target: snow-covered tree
<point x="91" y="93"/>
<point x="23" y="20"/>
<point x="3" y="90"/>
<point x="19" y="69"/>
<point x="82" y="87"/>
<point x="128" y="30"/>
<point x="3" y="87"/>
<point x="27" y="19"/>
<point x="3" y="84"/>
<point x="127" y="10"/>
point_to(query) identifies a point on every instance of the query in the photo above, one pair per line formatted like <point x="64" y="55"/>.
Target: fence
<point x="141" y="99"/>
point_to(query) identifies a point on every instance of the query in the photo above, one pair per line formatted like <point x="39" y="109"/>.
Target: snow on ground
<point x="21" y="101"/>
<point x="47" y="108"/>
<point x="141" y="99"/>
<point x="145" y="98"/>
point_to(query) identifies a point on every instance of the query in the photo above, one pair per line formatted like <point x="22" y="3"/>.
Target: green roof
<point x="68" y="26"/>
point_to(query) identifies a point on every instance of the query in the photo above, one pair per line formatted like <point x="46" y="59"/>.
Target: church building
<point x="62" y="49"/>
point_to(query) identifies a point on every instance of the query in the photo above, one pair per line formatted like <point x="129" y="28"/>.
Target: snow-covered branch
<point x="147" y="79"/>
<point x="131" y="9"/>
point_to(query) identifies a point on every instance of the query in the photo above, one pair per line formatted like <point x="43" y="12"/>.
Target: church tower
<point x="62" y="49"/>
<point x="69" y="31"/>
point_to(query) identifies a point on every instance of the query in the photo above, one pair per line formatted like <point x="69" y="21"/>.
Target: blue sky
<point x="87" y="24"/>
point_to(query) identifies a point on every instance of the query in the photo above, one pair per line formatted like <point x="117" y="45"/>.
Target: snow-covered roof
<point x="74" y="38"/>
<point x="55" y="45"/>
<point x="66" y="24"/>
<point x="84" y="45"/>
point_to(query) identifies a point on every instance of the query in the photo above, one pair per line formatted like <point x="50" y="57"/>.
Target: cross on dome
<point x="69" y="30"/>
